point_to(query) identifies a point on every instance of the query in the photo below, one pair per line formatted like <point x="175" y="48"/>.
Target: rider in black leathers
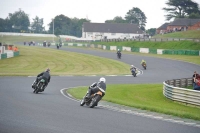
<point x="43" y="75"/>
<point x="95" y="87"/>
<point x="119" y="53"/>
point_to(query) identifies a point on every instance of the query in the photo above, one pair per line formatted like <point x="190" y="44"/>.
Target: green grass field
<point x="179" y="45"/>
<point x="13" y="39"/>
<point x="145" y="97"/>
<point x="185" y="34"/>
<point x="33" y="60"/>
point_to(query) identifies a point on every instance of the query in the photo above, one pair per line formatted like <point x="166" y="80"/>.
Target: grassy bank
<point x="12" y="39"/>
<point x="183" y="34"/>
<point x="143" y="96"/>
<point x="179" y="45"/>
<point x="33" y="60"/>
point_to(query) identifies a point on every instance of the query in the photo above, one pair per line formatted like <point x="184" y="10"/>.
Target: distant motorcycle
<point x="58" y="46"/>
<point x="49" y="44"/>
<point x="119" y="55"/>
<point x="94" y="99"/>
<point x="144" y="65"/>
<point x="39" y="87"/>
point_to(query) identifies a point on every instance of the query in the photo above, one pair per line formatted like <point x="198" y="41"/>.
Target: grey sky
<point x="95" y="10"/>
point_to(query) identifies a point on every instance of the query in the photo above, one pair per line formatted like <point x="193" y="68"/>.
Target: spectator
<point x="197" y="83"/>
<point x="0" y="44"/>
<point x="194" y="78"/>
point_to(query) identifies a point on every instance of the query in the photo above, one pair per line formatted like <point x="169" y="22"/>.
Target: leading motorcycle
<point x="39" y="87"/>
<point x="93" y="99"/>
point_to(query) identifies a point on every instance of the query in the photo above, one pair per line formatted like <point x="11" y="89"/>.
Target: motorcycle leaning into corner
<point x="39" y="86"/>
<point x="144" y="65"/>
<point x="93" y="99"/>
<point x="41" y="81"/>
<point x="133" y="70"/>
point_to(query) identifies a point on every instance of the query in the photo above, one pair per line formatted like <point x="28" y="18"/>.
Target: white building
<point x="97" y="31"/>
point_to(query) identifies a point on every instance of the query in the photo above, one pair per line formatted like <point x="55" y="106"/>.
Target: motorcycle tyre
<point x="82" y="102"/>
<point x="95" y="101"/>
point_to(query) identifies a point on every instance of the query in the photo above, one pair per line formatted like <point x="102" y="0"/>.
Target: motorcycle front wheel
<point x="82" y="102"/>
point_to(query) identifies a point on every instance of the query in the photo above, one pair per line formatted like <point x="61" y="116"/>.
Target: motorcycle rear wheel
<point x="95" y="101"/>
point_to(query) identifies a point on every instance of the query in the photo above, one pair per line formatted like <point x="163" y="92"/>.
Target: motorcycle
<point x="94" y="98"/>
<point x="58" y="46"/>
<point x="134" y="72"/>
<point x="49" y="44"/>
<point x="119" y="55"/>
<point x="39" y="86"/>
<point x="144" y="65"/>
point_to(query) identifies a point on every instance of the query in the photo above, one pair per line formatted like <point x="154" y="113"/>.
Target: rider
<point x="43" y="75"/>
<point x="96" y="85"/>
<point x="143" y="61"/>
<point x="119" y="52"/>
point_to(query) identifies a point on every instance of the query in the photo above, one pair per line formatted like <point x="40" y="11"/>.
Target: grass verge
<point x="33" y="60"/>
<point x="145" y="97"/>
<point x="178" y="45"/>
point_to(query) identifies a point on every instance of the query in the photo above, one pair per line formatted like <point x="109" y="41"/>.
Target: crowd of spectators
<point x="196" y="81"/>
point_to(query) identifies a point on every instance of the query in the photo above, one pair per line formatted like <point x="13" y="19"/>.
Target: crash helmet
<point x="47" y="70"/>
<point x="118" y="50"/>
<point x="102" y="79"/>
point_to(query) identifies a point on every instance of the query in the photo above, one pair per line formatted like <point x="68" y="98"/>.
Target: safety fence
<point x="136" y="49"/>
<point x="172" y="90"/>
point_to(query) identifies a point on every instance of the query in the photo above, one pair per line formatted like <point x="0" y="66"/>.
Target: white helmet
<point x="118" y="49"/>
<point x="132" y="65"/>
<point x="102" y="79"/>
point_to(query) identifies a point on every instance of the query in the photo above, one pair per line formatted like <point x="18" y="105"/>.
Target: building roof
<point x="163" y="27"/>
<point x="112" y="28"/>
<point x="184" y="22"/>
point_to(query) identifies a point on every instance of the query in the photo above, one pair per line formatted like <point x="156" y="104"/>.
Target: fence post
<point x="186" y="82"/>
<point x="174" y="83"/>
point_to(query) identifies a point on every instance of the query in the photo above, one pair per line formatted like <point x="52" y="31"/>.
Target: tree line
<point x="19" y="21"/>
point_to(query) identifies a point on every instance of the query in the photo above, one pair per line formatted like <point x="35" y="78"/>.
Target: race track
<point x="21" y="111"/>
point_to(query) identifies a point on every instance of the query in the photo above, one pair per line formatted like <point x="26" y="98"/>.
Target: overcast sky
<point x="95" y="10"/>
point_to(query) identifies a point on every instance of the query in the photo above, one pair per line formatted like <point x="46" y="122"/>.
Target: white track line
<point x="127" y="111"/>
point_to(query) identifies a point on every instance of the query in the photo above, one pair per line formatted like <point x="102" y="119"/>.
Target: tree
<point x="61" y="25"/>
<point x="67" y="26"/>
<point x="37" y="25"/>
<point x="194" y="16"/>
<point x="2" y="25"/>
<point x="117" y="19"/>
<point x="19" y="21"/>
<point x="78" y="26"/>
<point x="151" y="31"/>
<point x="180" y="8"/>
<point x="135" y="15"/>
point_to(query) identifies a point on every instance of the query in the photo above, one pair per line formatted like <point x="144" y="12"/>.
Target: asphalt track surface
<point x="52" y="111"/>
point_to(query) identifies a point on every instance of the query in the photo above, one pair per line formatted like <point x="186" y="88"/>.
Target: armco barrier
<point x="184" y="95"/>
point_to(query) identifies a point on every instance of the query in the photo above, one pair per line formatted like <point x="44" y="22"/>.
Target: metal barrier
<point x="172" y="91"/>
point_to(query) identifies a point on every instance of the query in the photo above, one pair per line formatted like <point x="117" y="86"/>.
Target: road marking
<point x="128" y="111"/>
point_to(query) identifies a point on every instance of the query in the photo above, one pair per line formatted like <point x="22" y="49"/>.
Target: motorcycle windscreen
<point x="42" y="80"/>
